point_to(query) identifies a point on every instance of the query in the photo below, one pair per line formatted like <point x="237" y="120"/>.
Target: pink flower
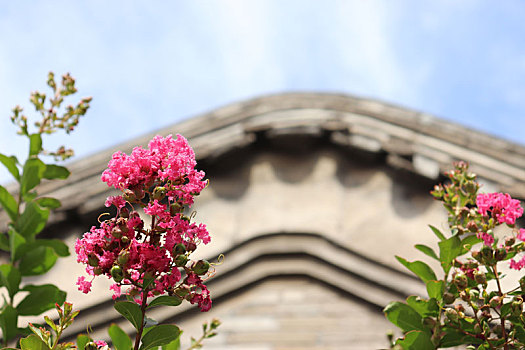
<point x="517" y="265"/>
<point x="487" y="238"/>
<point x="117" y="201"/>
<point x="116" y="290"/>
<point x="83" y="285"/>
<point x="521" y="235"/>
<point x="500" y="206"/>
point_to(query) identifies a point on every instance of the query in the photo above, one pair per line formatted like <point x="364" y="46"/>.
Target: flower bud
<point x="179" y="249"/>
<point x="129" y="195"/>
<point x="500" y="254"/>
<point x="124" y="213"/>
<point x="90" y="346"/>
<point x="509" y="241"/>
<point x="464" y="295"/>
<point x="97" y="271"/>
<point x="181" y="260"/>
<point x="116" y="232"/>
<point x="480" y="277"/>
<point x="471" y="187"/>
<point x="448" y="298"/>
<point x="215" y="323"/>
<point x="201" y="267"/>
<point x="182" y="291"/>
<point x="190" y="247"/>
<point x="159" y="193"/>
<point x="117" y="273"/>
<point x="477" y="255"/>
<point x="92" y="260"/>
<point x="124" y="239"/>
<point x="461" y="282"/>
<point x="123" y="257"/>
<point x="472" y="226"/>
<point x="175" y="208"/>
<point x="487" y="255"/>
<point x="452" y="315"/>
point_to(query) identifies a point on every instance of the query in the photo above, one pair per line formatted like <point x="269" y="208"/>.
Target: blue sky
<point x="150" y="64"/>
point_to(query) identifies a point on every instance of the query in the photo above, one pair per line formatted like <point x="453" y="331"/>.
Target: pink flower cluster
<point x="500" y="206"/>
<point x="518" y="265"/>
<point x="162" y="180"/>
<point x="166" y="160"/>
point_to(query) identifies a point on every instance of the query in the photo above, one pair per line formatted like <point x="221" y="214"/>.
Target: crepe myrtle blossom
<point x="150" y="258"/>
<point x="500" y="206"/>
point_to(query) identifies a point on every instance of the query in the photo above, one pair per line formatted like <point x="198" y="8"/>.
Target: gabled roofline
<point x="415" y="141"/>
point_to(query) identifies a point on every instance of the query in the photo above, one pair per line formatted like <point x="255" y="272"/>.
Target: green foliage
<point x="462" y="307"/>
<point x="160" y="335"/>
<point x="28" y="213"/>
<point x="120" y="339"/>
<point x="131" y="311"/>
<point x="165" y="300"/>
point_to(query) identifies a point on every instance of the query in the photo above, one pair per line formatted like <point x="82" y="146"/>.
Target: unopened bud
<point x="92" y="260"/>
<point x="464" y="295"/>
<point x="116" y="232"/>
<point x="90" y="346"/>
<point x="476" y="255"/>
<point x="181" y="260"/>
<point x="201" y="267"/>
<point x="175" y="208"/>
<point x="124" y="213"/>
<point x="471" y="187"/>
<point x="452" y="315"/>
<point x="509" y="241"/>
<point x="480" y="277"/>
<point x="117" y="273"/>
<point x="472" y="226"/>
<point x="461" y="282"/>
<point x="159" y="193"/>
<point x="123" y="257"/>
<point x="124" y="239"/>
<point x="500" y="254"/>
<point x="129" y="195"/>
<point x="179" y="249"/>
<point x="448" y="298"/>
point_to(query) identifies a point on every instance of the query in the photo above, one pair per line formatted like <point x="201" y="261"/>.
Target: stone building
<point x="310" y="197"/>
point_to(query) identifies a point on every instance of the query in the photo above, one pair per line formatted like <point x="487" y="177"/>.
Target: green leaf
<point x="33" y="342"/>
<point x="82" y="340"/>
<point x="59" y="247"/>
<point x="16" y="241"/>
<point x="37" y="261"/>
<point x="427" y="250"/>
<point x="40" y="299"/>
<point x="48" y="202"/>
<point x="35" y="144"/>
<point x="416" y="340"/>
<point x="53" y="171"/>
<point x="131" y="311"/>
<point x="165" y="300"/>
<point x="421" y="269"/>
<point x="437" y="233"/>
<point x="435" y="289"/>
<point x="120" y="339"/>
<point x="403" y="316"/>
<point x="11" y="278"/>
<point x="4" y="242"/>
<point x="32" y="221"/>
<point x="423" y="307"/>
<point x="9" y="203"/>
<point x="449" y="249"/>
<point x="469" y="242"/>
<point x="8" y="322"/>
<point x="159" y="336"/>
<point x="10" y="163"/>
<point x="174" y="345"/>
<point x="33" y="170"/>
